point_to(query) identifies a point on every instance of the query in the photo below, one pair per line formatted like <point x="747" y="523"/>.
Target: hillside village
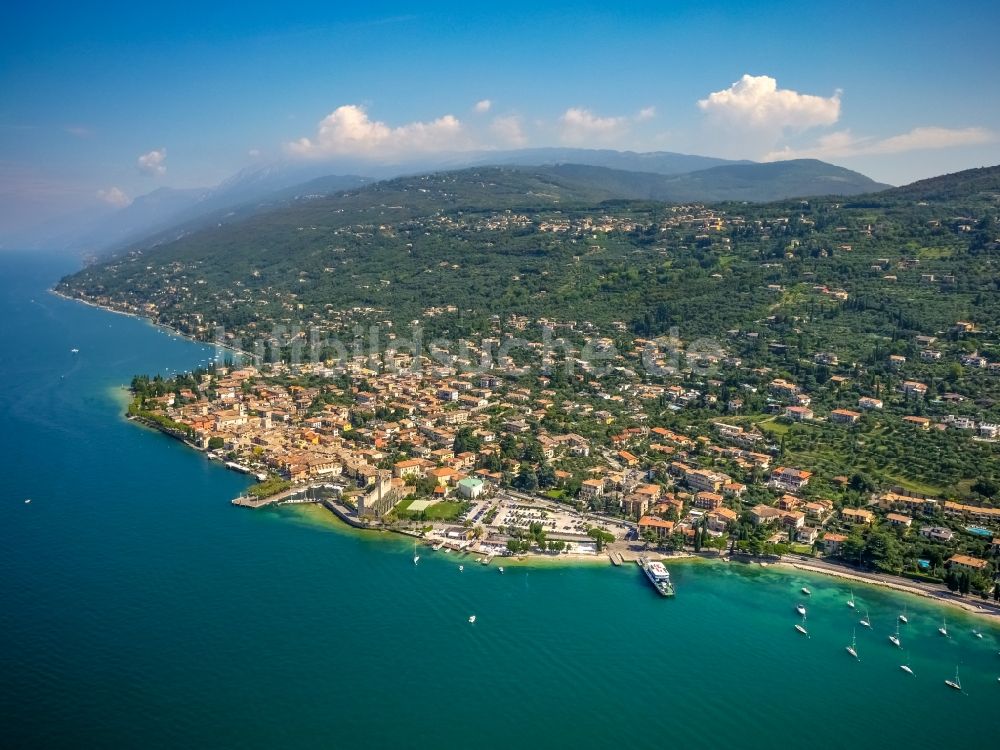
<point x="452" y="450"/>
<point x="819" y="376"/>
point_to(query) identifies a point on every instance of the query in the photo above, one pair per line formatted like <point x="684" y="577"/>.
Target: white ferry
<point x="658" y="575"/>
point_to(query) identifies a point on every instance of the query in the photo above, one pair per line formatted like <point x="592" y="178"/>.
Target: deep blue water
<point x="138" y="608"/>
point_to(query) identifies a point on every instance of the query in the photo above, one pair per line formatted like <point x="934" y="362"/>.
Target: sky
<point x="101" y="104"/>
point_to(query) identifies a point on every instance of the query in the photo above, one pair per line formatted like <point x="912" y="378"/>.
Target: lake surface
<point x="138" y="608"/>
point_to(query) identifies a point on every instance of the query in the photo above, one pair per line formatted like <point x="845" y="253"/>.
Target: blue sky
<point x="102" y="104"/>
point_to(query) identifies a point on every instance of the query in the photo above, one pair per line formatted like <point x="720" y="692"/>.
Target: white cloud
<point x="646" y="113"/>
<point x="483" y="106"/>
<point x="510" y="130"/>
<point x="253" y="153"/>
<point x="153" y="162"/>
<point x="756" y="101"/>
<point x="578" y="125"/>
<point x="843" y="143"/>
<point x="349" y="131"/>
<point x="114" y="196"/>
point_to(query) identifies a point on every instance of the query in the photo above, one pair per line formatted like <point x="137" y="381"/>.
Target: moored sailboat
<point x="894" y="639"/>
<point x="955" y="684"/>
<point x="801" y="627"/>
<point x="853" y="648"/>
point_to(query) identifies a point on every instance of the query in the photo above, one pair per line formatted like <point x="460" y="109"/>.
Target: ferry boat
<point x="658" y="575"/>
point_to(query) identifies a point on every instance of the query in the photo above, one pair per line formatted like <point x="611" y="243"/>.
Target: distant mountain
<point x="756" y="183"/>
<point x="167" y="213"/>
<point x="657" y="162"/>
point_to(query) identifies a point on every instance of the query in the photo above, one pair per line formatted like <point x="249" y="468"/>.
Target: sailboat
<point x="865" y="622"/>
<point x="894" y="639"/>
<point x="852" y="649"/>
<point x="955" y="684"/>
<point x="801" y="627"/>
<point x="461" y="568"/>
<point x="416" y="557"/>
<point x="801" y="609"/>
<point x="902" y="617"/>
<point x="806" y="591"/>
<point x="472" y="619"/>
<point x="850" y="602"/>
<point x="906" y="667"/>
<point x="943" y="630"/>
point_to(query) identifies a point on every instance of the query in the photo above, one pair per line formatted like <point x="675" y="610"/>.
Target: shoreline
<point x="930" y="592"/>
<point x="153" y="323"/>
<point x="879" y="580"/>
<point x="902" y="585"/>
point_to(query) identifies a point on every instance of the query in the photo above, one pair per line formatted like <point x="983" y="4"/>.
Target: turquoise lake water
<point x="139" y="609"/>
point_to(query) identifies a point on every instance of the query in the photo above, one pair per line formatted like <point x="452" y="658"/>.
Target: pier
<point x="310" y="493"/>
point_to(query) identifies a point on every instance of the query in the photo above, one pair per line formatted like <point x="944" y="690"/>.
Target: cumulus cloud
<point x="578" y="125"/>
<point x="114" y="196"/>
<point x="253" y="153"/>
<point x="646" y="113"/>
<point x="349" y="131"/>
<point x="509" y="130"/>
<point x="843" y="143"/>
<point x="153" y="162"/>
<point x="756" y="101"/>
<point x="483" y="106"/>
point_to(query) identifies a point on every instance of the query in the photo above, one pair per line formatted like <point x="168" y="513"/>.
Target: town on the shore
<point x="524" y="463"/>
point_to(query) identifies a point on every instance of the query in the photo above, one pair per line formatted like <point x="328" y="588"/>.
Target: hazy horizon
<point x="104" y="109"/>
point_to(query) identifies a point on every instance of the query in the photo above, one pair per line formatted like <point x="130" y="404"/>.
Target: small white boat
<point x="955" y="684"/>
<point x="500" y="569"/>
<point x="27" y="501"/>
<point x="906" y="668"/>
<point x="850" y="602"/>
<point x="894" y="639"/>
<point x="74" y="351"/>
<point x="902" y="618"/>
<point x="416" y="557"/>
<point x="806" y="591"/>
<point x="943" y="630"/>
<point x="461" y="568"/>
<point x="472" y="618"/>
<point x="865" y="622"/>
<point x="853" y="648"/>
<point x="977" y="634"/>
<point x="801" y="609"/>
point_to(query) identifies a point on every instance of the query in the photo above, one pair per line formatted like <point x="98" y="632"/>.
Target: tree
<point x="546" y="476"/>
<point x="986" y="487"/>
<point x="951" y="580"/>
<point x="526" y="479"/>
<point x="963" y="583"/>
<point x="215" y="443"/>
<point x="466" y="442"/>
<point x="600" y="536"/>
